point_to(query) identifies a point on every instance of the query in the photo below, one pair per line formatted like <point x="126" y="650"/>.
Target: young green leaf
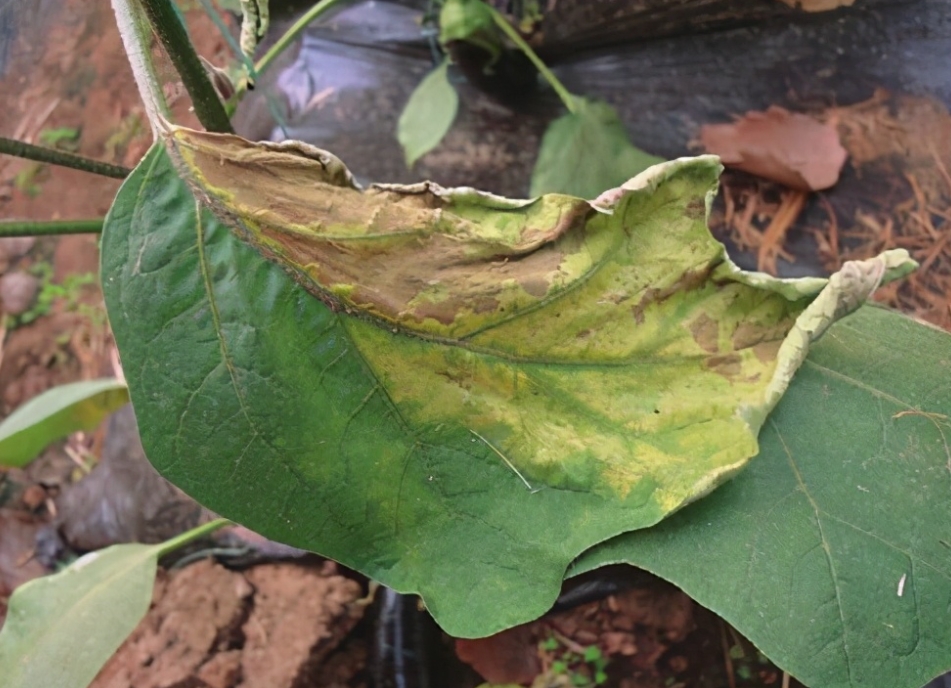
<point x="62" y="628"/>
<point x="587" y="152"/>
<point x="831" y="550"/>
<point x="428" y="114"/>
<point x="56" y="413"/>
<point x="470" y="21"/>
<point x="491" y="387"/>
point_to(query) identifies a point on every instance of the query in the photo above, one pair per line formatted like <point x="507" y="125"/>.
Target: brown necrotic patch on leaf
<point x="706" y="332"/>
<point x="688" y="281"/>
<point x="696" y="208"/>
<point x="751" y="333"/>
<point x="729" y="366"/>
<point x="434" y="261"/>
<point x="766" y="351"/>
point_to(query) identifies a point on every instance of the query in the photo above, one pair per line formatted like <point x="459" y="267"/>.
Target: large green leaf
<point x="549" y="375"/>
<point x="587" y="151"/>
<point x="56" y="413"/>
<point x="832" y="550"/>
<point x="428" y="114"/>
<point x="61" y="629"/>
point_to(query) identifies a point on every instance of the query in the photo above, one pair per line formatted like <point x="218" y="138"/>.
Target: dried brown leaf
<point x="790" y="148"/>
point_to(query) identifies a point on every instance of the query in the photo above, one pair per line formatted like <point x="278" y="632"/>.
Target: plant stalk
<point x="19" y="229"/>
<point x="192" y="535"/>
<point x="292" y="33"/>
<point x="509" y="30"/>
<point x="61" y="158"/>
<point x="171" y="32"/>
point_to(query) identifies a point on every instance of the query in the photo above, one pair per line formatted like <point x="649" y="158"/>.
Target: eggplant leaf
<point x="587" y="151"/>
<point x="56" y="413"/>
<point x="428" y="114"/>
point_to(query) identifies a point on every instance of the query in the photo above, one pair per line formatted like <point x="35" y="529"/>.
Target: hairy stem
<point x="136" y="38"/>
<point x="292" y="33"/>
<point x="171" y="32"/>
<point x="55" y="157"/>
<point x="19" y="229"/>
<point x="509" y="30"/>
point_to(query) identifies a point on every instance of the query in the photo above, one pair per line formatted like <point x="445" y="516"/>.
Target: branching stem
<point x="61" y="158"/>
<point x="192" y="535"/>
<point x="19" y="229"/>
<point x="292" y="33"/>
<point x="563" y="93"/>
<point x="171" y="32"/>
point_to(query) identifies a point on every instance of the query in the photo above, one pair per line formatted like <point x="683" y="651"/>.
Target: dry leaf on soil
<point x="787" y="147"/>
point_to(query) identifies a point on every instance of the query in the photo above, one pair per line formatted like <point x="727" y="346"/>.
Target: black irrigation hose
<point x="406" y="651"/>
<point x="400" y="648"/>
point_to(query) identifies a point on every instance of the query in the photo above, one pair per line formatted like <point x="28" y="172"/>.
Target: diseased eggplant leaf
<point x="482" y="389"/>
<point x="428" y="114"/>
<point x="587" y="151"/>
<point x="832" y="550"/>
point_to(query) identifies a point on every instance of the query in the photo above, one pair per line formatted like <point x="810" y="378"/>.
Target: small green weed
<point x="584" y="667"/>
<point x="28" y="180"/>
<point x="69" y="290"/>
<point x="63" y="138"/>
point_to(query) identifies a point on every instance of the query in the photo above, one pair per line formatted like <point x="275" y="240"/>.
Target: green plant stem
<point x="18" y="229"/>
<point x="192" y="535"/>
<point x="55" y="157"/>
<point x="171" y="32"/>
<point x="292" y="33"/>
<point x="509" y="30"/>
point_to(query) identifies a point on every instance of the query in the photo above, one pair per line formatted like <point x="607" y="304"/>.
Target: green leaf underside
<point x="61" y="629"/>
<point x="56" y="413"/>
<point x="805" y="550"/>
<point x="469" y="458"/>
<point x="585" y="152"/>
<point x="428" y="114"/>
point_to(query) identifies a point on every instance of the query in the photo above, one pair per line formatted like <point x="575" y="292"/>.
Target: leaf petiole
<point x="509" y="30"/>
<point x="292" y="33"/>
<point x="192" y="535"/>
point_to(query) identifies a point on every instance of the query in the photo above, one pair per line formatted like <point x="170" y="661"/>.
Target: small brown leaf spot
<point x="485" y="304"/>
<point x="729" y="366"/>
<point x="614" y="297"/>
<point x="584" y="334"/>
<point x="535" y="286"/>
<point x="639" y="308"/>
<point x="747" y="335"/>
<point x="706" y="332"/>
<point x="442" y="311"/>
<point x="767" y="351"/>
<point x="696" y="208"/>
